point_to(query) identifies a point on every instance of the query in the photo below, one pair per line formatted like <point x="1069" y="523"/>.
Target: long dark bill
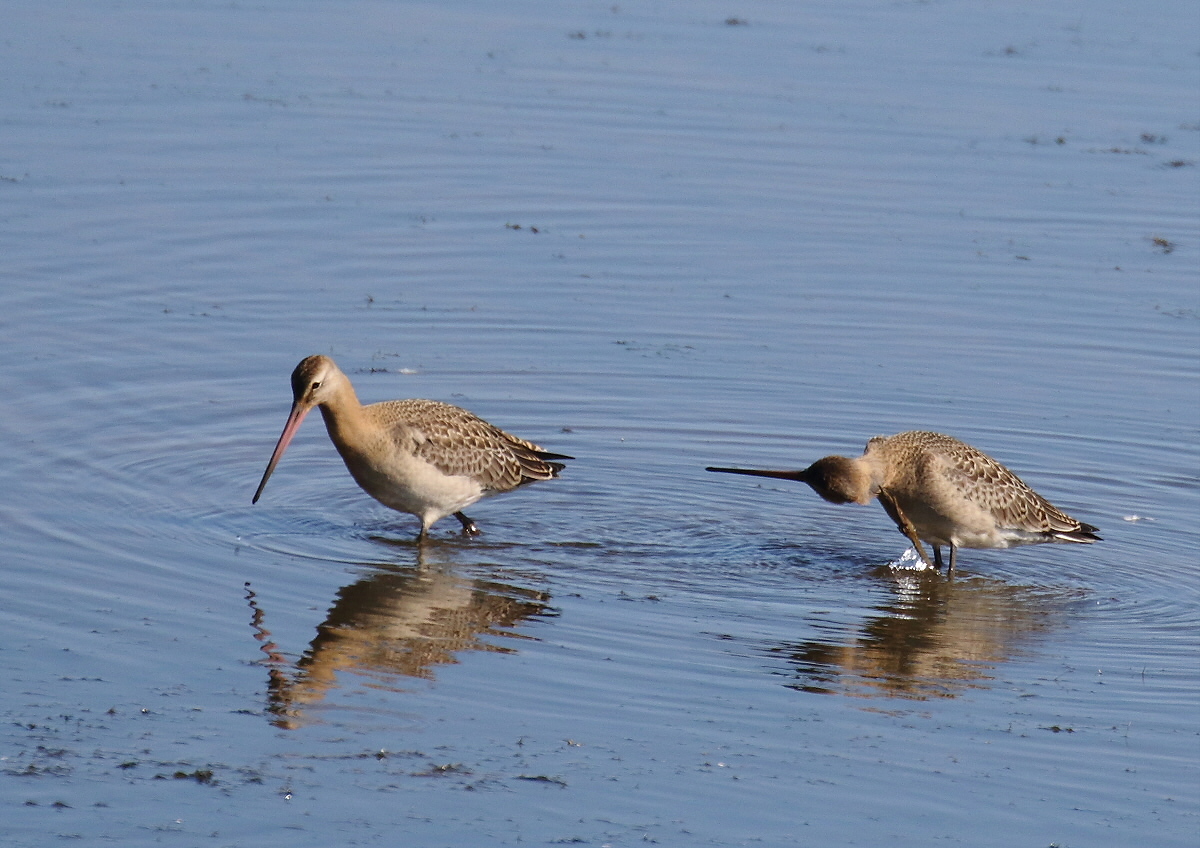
<point x="750" y="472"/>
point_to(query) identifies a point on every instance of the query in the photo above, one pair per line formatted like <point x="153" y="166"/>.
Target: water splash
<point x="910" y="560"/>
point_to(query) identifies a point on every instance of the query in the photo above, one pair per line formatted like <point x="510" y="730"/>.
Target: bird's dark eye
<point x="316" y="385"/>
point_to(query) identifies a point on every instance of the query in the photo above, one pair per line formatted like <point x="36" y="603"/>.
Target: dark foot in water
<point x="469" y="528"/>
<point x="937" y="559"/>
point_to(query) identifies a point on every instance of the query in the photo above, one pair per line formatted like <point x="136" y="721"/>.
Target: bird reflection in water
<point x="398" y="621"/>
<point x="933" y="639"/>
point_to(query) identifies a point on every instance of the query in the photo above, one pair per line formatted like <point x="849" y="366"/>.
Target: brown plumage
<point x="423" y="457"/>
<point x="942" y="491"/>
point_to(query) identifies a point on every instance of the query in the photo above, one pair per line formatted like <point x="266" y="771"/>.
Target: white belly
<point x="411" y="485"/>
<point x="968" y="527"/>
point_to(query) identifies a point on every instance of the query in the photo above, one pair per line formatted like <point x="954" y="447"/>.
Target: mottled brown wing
<point x="459" y="442"/>
<point x="989" y="484"/>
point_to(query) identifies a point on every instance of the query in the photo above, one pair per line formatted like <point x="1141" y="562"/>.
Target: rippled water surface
<point x="654" y="238"/>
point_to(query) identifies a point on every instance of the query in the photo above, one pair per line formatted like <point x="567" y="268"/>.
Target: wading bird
<point x="939" y="490"/>
<point x="423" y="457"/>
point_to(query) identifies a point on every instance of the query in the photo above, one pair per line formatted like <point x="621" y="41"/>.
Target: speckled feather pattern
<point x="458" y="442"/>
<point x="923" y="464"/>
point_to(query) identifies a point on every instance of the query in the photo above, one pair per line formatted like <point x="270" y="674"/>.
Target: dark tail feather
<point x="536" y="464"/>
<point x="1085" y="533"/>
<point x="750" y="472"/>
<point x="555" y="467"/>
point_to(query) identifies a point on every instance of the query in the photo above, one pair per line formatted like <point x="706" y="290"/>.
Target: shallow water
<point x="653" y="240"/>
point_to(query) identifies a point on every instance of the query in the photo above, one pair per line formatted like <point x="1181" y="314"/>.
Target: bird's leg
<point x="937" y="555"/>
<point x="953" y="557"/>
<point x="906" y="527"/>
<point x="468" y="525"/>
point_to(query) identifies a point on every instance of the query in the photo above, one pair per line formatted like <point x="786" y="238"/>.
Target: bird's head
<point x="839" y="480"/>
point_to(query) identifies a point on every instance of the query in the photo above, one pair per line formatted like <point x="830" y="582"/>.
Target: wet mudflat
<point x="654" y="240"/>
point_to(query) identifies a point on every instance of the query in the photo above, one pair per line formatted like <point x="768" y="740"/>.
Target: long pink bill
<point x="285" y="438"/>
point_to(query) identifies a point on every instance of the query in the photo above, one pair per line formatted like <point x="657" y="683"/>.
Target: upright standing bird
<point x="423" y="457"/>
<point x="939" y="490"/>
